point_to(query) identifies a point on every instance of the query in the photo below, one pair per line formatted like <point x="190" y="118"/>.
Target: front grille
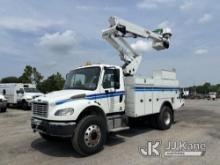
<point x="40" y="109"/>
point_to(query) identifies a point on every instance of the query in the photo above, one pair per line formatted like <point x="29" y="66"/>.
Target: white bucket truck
<point x="20" y="94"/>
<point x="98" y="99"/>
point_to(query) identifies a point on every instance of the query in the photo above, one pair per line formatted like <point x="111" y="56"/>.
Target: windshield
<point x="84" y="79"/>
<point x="31" y="90"/>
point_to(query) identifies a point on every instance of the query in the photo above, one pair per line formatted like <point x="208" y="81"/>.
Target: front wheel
<point x="90" y="135"/>
<point x="24" y="105"/>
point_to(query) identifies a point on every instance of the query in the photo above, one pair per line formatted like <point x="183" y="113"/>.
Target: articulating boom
<point x="120" y="29"/>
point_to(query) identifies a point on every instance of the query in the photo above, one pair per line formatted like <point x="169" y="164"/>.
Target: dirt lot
<point x="198" y="122"/>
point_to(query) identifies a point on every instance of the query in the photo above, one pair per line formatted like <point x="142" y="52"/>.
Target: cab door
<point x="112" y="89"/>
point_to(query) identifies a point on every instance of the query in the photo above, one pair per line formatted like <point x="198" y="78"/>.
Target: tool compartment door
<point x="148" y="94"/>
<point x="139" y="102"/>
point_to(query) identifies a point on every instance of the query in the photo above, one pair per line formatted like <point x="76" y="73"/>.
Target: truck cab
<point x="96" y="86"/>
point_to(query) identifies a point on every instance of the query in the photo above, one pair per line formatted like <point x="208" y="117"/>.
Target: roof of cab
<point x="98" y="65"/>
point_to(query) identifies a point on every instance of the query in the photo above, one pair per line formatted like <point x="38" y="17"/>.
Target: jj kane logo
<point x="172" y="148"/>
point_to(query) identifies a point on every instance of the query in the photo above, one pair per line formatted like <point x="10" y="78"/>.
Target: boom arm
<point x="120" y="29"/>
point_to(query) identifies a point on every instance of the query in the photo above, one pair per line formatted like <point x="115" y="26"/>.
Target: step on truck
<point x="99" y="99"/>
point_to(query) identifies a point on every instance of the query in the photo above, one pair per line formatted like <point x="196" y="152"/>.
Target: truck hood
<point x="61" y="95"/>
<point x="33" y="95"/>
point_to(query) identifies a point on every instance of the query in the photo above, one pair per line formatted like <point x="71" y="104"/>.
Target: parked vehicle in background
<point x="185" y="93"/>
<point x="212" y="95"/>
<point x="19" y="94"/>
<point x="3" y="103"/>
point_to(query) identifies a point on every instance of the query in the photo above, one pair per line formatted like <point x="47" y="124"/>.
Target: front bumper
<point x="3" y="104"/>
<point x="53" y="128"/>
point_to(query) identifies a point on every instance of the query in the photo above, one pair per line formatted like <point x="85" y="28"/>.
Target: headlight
<point x="64" y="112"/>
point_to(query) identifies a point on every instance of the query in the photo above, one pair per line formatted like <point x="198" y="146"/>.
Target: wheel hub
<point x="167" y="118"/>
<point x="92" y="135"/>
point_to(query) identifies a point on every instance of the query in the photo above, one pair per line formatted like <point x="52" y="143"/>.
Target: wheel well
<point x="92" y="110"/>
<point x="167" y="103"/>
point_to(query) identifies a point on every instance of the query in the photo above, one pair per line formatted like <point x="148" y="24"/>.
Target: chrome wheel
<point x="167" y="118"/>
<point x="92" y="135"/>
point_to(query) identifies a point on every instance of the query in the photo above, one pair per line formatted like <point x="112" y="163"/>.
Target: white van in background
<point x="212" y="95"/>
<point x="19" y="94"/>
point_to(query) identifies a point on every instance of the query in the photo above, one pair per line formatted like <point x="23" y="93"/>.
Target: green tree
<point x="26" y="76"/>
<point x="10" y="79"/>
<point x="36" y="76"/>
<point x="52" y="83"/>
<point x="31" y="75"/>
<point x="206" y="87"/>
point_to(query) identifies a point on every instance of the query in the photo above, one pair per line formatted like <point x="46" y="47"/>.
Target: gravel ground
<point x="197" y="122"/>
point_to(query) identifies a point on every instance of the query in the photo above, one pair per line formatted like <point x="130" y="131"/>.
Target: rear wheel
<point x="90" y="135"/>
<point x="165" y="118"/>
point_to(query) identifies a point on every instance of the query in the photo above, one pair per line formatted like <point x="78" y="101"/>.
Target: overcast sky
<point x="59" y="35"/>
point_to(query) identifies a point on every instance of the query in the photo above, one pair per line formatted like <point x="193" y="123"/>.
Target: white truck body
<point x="97" y="99"/>
<point x="136" y="97"/>
<point x="17" y="92"/>
<point x="145" y="96"/>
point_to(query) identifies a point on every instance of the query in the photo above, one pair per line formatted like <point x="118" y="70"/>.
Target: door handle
<point x="106" y="91"/>
<point x="120" y="98"/>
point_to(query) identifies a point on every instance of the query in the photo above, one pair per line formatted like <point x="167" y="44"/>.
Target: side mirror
<point x="181" y="95"/>
<point x="67" y="75"/>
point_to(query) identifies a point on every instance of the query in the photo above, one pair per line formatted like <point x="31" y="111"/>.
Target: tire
<point x="48" y="137"/>
<point x="164" y="118"/>
<point x="24" y="105"/>
<point x="90" y="135"/>
<point x="3" y="109"/>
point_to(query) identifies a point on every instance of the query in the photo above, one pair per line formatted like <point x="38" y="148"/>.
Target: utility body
<point x="20" y="94"/>
<point x="98" y="99"/>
